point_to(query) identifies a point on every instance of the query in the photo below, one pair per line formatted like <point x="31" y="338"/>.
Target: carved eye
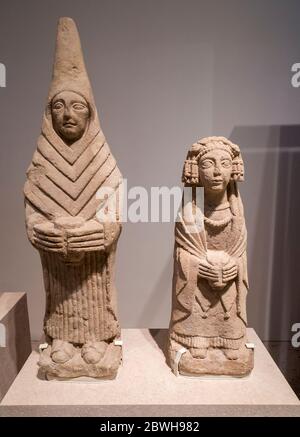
<point x="79" y="106"/>
<point x="226" y="163"/>
<point x="58" y="105"/>
<point x="206" y="163"/>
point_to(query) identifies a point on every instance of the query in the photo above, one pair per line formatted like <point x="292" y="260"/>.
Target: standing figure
<point x="208" y="324"/>
<point x="70" y="168"/>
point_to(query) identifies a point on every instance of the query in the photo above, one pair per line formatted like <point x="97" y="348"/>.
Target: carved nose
<point x="67" y="114"/>
<point x="217" y="170"/>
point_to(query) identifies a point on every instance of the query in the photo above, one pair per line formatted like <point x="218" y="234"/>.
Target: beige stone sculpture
<point x="71" y="163"/>
<point x="207" y="333"/>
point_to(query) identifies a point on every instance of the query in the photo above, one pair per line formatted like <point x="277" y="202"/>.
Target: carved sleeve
<point x="32" y="217"/>
<point x="112" y="231"/>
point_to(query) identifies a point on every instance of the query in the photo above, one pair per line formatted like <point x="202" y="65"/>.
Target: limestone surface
<point x="70" y="178"/>
<point x="207" y="334"/>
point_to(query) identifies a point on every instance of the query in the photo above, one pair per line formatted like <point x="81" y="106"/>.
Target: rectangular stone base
<point x="15" y="345"/>
<point x="145" y="385"/>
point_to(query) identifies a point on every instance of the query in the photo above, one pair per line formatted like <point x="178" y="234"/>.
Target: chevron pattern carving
<point x="61" y="185"/>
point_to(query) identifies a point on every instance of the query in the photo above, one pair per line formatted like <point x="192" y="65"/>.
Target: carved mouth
<point x="69" y="125"/>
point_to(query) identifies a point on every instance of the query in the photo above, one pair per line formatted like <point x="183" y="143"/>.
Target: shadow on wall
<point x="270" y="196"/>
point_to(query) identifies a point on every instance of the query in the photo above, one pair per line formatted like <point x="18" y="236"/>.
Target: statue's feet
<point x="62" y="351"/>
<point x="231" y="354"/>
<point x="198" y="352"/>
<point x="93" y="352"/>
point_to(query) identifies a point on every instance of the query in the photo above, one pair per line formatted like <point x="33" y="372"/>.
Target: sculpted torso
<point x="71" y="164"/>
<point x="210" y="271"/>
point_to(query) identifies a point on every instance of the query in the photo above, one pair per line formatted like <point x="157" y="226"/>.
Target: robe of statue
<point x="206" y="317"/>
<point x="62" y="191"/>
<point x="194" y="303"/>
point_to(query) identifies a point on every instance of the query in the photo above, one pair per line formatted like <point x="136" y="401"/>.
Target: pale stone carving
<point x="208" y="324"/>
<point x="71" y="162"/>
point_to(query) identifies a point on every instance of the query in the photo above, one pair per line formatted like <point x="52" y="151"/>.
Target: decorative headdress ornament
<point x="201" y="147"/>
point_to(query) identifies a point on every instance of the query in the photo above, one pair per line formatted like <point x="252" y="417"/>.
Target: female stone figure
<point x="71" y="163"/>
<point x="210" y="284"/>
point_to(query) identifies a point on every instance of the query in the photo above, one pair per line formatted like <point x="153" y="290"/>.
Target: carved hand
<point x="229" y="272"/>
<point x="208" y="271"/>
<point x="47" y="237"/>
<point x="87" y="238"/>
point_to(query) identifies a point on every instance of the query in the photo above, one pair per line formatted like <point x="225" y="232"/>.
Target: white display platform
<point x="15" y="345"/>
<point x="146" y="386"/>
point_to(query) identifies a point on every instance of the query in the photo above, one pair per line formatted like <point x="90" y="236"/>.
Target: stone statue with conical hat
<point x="207" y="334"/>
<point x="70" y="170"/>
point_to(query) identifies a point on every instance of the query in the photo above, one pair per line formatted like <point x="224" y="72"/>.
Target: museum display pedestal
<point x="145" y="386"/>
<point x="15" y="344"/>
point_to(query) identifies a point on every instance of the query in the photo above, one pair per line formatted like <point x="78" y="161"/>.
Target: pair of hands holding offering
<point x="216" y="274"/>
<point x="69" y="235"/>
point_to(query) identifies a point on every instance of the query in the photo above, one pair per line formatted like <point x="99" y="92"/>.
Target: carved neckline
<point x="218" y="223"/>
<point x="221" y="207"/>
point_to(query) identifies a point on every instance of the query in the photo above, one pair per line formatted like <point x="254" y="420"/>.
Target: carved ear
<point x="190" y="174"/>
<point x="237" y="169"/>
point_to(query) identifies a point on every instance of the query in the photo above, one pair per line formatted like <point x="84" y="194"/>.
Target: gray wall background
<point x="164" y="73"/>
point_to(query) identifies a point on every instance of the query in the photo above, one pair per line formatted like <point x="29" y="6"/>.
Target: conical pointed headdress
<point x="69" y="72"/>
<point x="64" y="180"/>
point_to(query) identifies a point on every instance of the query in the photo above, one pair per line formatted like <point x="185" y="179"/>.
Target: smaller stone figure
<point x="208" y="324"/>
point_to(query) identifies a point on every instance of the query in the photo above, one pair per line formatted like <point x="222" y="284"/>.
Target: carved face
<point x="215" y="168"/>
<point x="70" y="115"/>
